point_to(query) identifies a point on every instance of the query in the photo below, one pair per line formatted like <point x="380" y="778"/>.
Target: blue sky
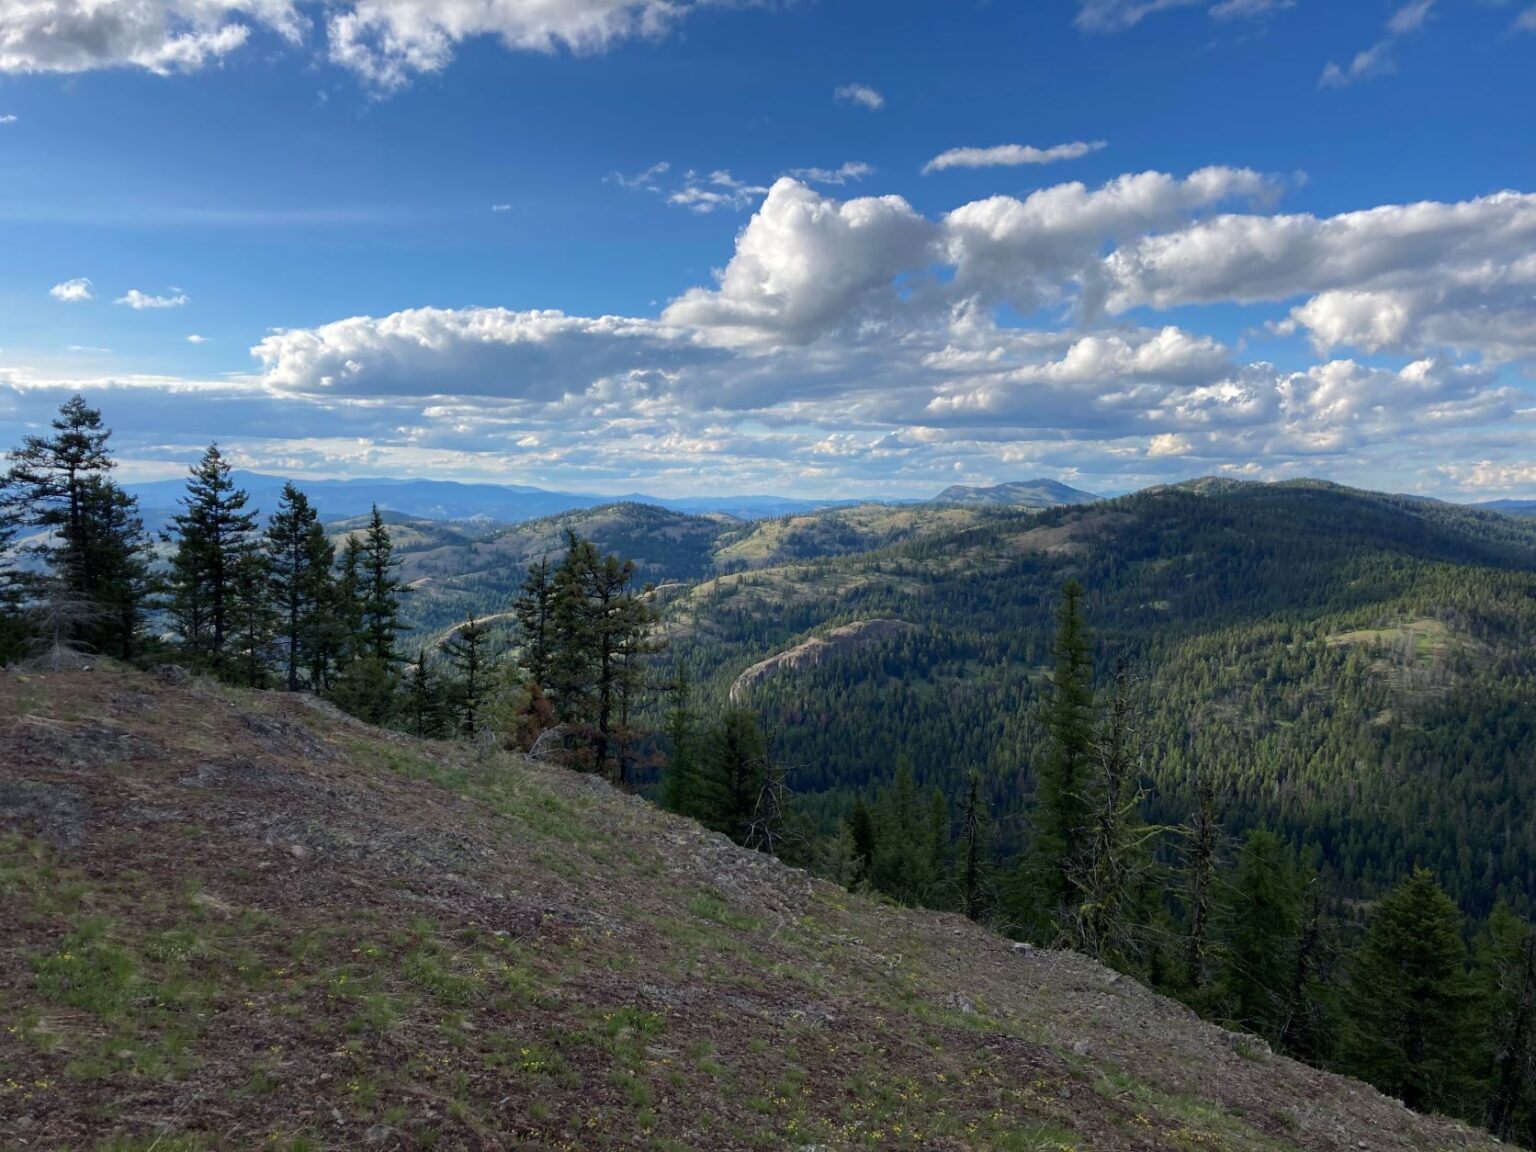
<point x="827" y="247"/>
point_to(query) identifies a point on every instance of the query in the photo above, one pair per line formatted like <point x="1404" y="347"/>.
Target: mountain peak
<point x="1038" y="493"/>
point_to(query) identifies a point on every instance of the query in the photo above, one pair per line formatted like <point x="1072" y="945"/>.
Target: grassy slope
<point x="240" y="920"/>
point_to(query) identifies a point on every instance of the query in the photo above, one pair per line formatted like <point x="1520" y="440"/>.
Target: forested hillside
<point x="1353" y="670"/>
<point x="454" y="569"/>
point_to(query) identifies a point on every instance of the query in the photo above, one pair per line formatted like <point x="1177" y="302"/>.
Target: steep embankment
<point x="241" y="920"/>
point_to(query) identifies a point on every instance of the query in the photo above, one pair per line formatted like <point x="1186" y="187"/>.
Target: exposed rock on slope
<point x="819" y="650"/>
<point x="240" y="920"/>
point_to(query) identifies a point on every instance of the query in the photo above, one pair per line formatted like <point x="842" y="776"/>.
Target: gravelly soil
<point x="243" y="920"/>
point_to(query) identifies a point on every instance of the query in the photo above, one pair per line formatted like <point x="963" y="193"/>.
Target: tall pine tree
<point x="1406" y="1007"/>
<point x="680" y="782"/>
<point x="1064" y="807"/>
<point x="211" y="535"/>
<point x="299" y="559"/>
<point x="467" y="652"/>
<point x="535" y="612"/>
<point x="381" y="589"/>
<point x="93" y="545"/>
<point x="1262" y="921"/>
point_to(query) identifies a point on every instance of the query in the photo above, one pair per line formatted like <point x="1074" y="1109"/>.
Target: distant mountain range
<point x="1509" y="507"/>
<point x="453" y="500"/>
<point x="1019" y="494"/>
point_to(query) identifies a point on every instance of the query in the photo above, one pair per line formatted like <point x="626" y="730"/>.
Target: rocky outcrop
<point x="819" y="650"/>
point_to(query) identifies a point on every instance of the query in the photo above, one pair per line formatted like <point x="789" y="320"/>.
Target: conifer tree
<point x="120" y="558"/>
<point x="380" y="590"/>
<point x="252" y="619"/>
<point x="613" y="607"/>
<point x="424" y="698"/>
<point x="1064" y="809"/>
<point x="300" y="559"/>
<point x="367" y="688"/>
<point x="972" y="834"/>
<point x="680" y="783"/>
<point x="735" y="766"/>
<point x="46" y="487"/>
<point x="1263" y="922"/>
<point x="1203" y="841"/>
<point x="364" y="619"/>
<point x="903" y="863"/>
<point x="1408" y="998"/>
<point x="348" y="603"/>
<point x="633" y="622"/>
<point x="573" y="641"/>
<point x="535" y="612"/>
<point x="938" y="841"/>
<point x="211" y="536"/>
<point x="1506" y="971"/>
<point x="467" y="653"/>
<point x="1104" y="885"/>
<point x="861" y="829"/>
<point x="12" y="583"/>
<point x="1304" y="1022"/>
<point x="94" y="549"/>
<point x="598" y="630"/>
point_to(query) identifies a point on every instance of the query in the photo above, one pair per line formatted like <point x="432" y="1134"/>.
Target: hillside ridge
<point x="244" y="919"/>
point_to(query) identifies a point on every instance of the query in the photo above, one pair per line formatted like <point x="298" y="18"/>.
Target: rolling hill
<point x="1353" y="668"/>
<point x="240" y="919"/>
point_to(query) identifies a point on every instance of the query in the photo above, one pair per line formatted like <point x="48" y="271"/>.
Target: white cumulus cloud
<point x="73" y="291"/>
<point x="385" y="42"/>
<point x="858" y="345"/>
<point x="389" y="42"/>
<point x="805" y="263"/>
<point x="161" y="36"/>
<point x="1404" y="278"/>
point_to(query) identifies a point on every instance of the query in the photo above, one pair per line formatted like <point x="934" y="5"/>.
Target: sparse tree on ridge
<point x="211" y="535"/>
<point x="300" y="560"/>
<point x="46" y="487"/>
<point x="93" y="546"/>
<point x="381" y="590"/>
<point x="535" y="612"/>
